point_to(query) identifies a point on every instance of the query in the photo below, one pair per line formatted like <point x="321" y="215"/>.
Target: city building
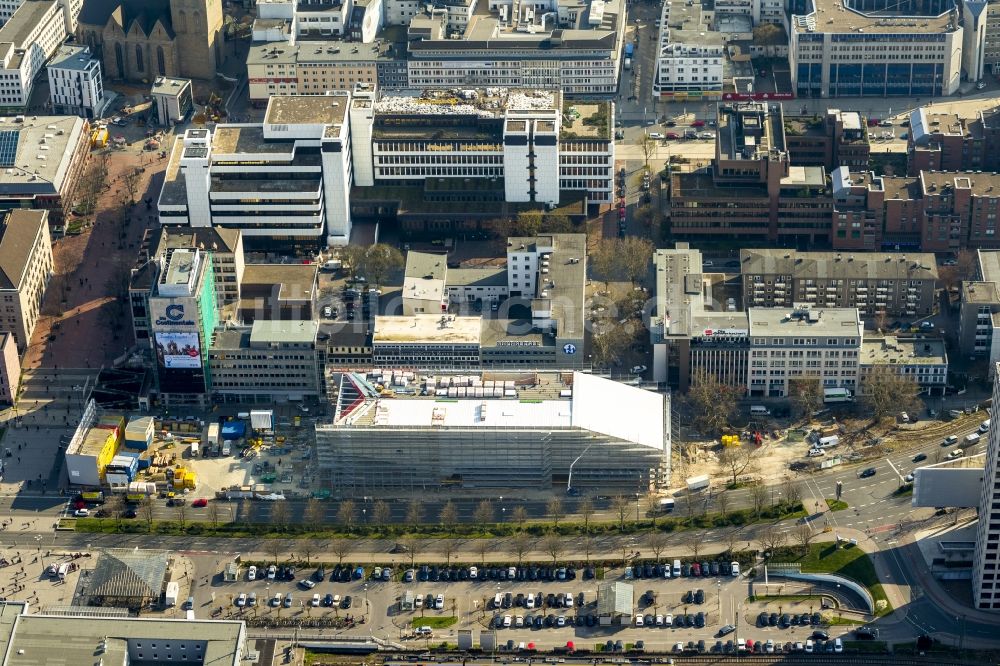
<point x="27" y="40"/>
<point x="70" y="9"/>
<point x="41" y="158"/>
<point x="877" y="48"/>
<point x="922" y="359"/>
<point x="10" y="368"/>
<point x="282" y="183"/>
<point x="278" y="292"/>
<point x="945" y="142"/>
<point x="986" y="559"/>
<point x="689" y="57"/>
<point x="268" y="362"/>
<point x="139" y="40"/>
<point x="836" y="139"/>
<point x="874" y="282"/>
<point x="751" y="192"/>
<point x="990" y="42"/>
<point x="172" y="100"/>
<point x="91" y="448"/>
<point x="183" y="314"/>
<point x="786" y="345"/>
<point x="25" y="270"/>
<point x="75" y="83"/>
<point x="979" y="310"/>
<point x="539" y="433"/>
<point x="318" y="19"/>
<point x="691" y="332"/>
<point x="570" y="45"/>
<point x="34" y="638"/>
<point x="424" y="283"/>
<point x="426" y="341"/>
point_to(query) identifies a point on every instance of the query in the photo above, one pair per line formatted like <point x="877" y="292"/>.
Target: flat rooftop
<point x="821" y="321"/>
<point x="174" y="190"/>
<point x="480" y="102"/>
<point x="749" y="130"/>
<point x="24" y="20"/>
<point x="587" y="120"/>
<point x="891" y="350"/>
<point x="424" y="329"/>
<point x="492" y="276"/>
<point x="165" y="85"/>
<point x="980" y="292"/>
<point x="77" y="58"/>
<point x="989" y="265"/>
<point x="296" y="280"/>
<point x="391" y="46"/>
<point x="424" y="276"/>
<point x="839" y="265"/>
<point x="518" y="332"/>
<point x="679" y="293"/>
<point x="266" y="331"/>
<point x="980" y="183"/>
<point x="835" y="16"/>
<point x="35" y="154"/>
<point x="307" y="109"/>
<point x="18" y="233"/>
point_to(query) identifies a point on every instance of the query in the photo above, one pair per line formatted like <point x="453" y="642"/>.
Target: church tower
<point x="198" y="26"/>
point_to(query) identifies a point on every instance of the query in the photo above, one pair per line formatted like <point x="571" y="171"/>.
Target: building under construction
<point x="547" y="431"/>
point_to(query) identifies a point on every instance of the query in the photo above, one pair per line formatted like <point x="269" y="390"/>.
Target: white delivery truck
<point x="63" y="570"/>
<point x="695" y="483"/>
<point x="667" y="505"/>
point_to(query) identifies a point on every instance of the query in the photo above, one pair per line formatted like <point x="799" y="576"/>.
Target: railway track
<point x="797" y="659"/>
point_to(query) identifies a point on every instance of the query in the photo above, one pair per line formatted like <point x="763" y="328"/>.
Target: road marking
<point x="894" y="469"/>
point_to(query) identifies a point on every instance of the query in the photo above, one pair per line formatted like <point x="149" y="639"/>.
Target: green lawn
<point x="851" y="562"/>
<point x="434" y="622"/>
<point x="836" y="505"/>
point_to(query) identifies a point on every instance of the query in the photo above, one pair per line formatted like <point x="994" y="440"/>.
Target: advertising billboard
<point x="178" y="350"/>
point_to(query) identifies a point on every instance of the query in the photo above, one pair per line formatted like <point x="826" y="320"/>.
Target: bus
<point x="837" y="395"/>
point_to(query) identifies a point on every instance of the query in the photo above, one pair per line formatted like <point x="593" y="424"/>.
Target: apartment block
<point x="75" y="82"/>
<point x="836" y="139"/>
<point x="690" y="54"/>
<point x="10" y="368"/>
<point x="862" y="48"/>
<point x="986" y="559"/>
<point x="752" y="192"/>
<point x="25" y="270"/>
<point x="923" y="360"/>
<point x="979" y="311"/>
<point x="824" y="344"/>
<point x="28" y="39"/>
<point x="268" y="362"/>
<point x="872" y="282"/>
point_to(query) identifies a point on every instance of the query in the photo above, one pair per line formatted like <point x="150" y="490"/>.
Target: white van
<point x="828" y="442"/>
<point x="984" y="426"/>
<point x="759" y="410"/>
<point x="675" y="570"/>
<point x="972" y="438"/>
<point x="497" y="600"/>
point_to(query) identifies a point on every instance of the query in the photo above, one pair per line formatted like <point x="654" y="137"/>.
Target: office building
<point x="171" y="100"/>
<point x="836" y="139"/>
<point x="894" y="284"/>
<point x="588" y="432"/>
<point x="752" y="192"/>
<point x="691" y="332"/>
<point x="32" y="35"/>
<point x="979" y="311"/>
<point x="689" y="57"/>
<point x="877" y="48"/>
<point x="75" y="636"/>
<point x="75" y="82"/>
<point x="424" y="283"/>
<point x="41" y="159"/>
<point x="318" y="19"/>
<point x="986" y="559"/>
<point x="183" y="314"/>
<point x="283" y="182"/>
<point x="278" y="292"/>
<point x="923" y="359"/>
<point x="824" y="344"/>
<point x="268" y="362"/>
<point x="25" y="270"/>
<point x="10" y="368"/>
<point x="426" y="341"/>
<point x="946" y="142"/>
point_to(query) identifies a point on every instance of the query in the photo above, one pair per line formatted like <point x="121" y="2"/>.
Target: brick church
<point x="139" y="40"/>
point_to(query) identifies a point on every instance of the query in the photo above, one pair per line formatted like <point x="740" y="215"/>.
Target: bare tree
<point x="413" y="546"/>
<point x="555" y="510"/>
<point x="772" y="539"/>
<point x="245" y="512"/>
<point x="635" y="255"/>
<point x="554" y="546"/>
<point x="732" y="538"/>
<point x="736" y="460"/>
<point x="792" y="492"/>
<point x="341" y="548"/>
<point x="347" y="513"/>
<point x="279" y="514"/>
<point x="275" y="548"/>
<point x="608" y="342"/>
<point x="447" y="548"/>
<point x="804" y="535"/>
<point x="314" y="512"/>
<point x="603" y="260"/>
<point x="482" y="547"/>
<point x="381" y="513"/>
<point x="648" y="149"/>
<point x="484" y="514"/>
<point x="886" y="393"/>
<point x="180" y="512"/>
<point x="587" y="545"/>
<point x="621" y="506"/>
<point x="130" y="180"/>
<point x="449" y="514"/>
<point x="520" y="516"/>
<point x="380" y="261"/>
<point x="520" y="545"/>
<point x="586" y="510"/>
<point x="146" y="511"/>
<point x="214" y="511"/>
<point x="806" y="394"/>
<point x="308" y="548"/>
<point x="694" y="543"/>
<point x="114" y="505"/>
<point x="415" y="512"/>
<point x="711" y="401"/>
<point x="722" y="501"/>
<point x="656" y="542"/>
<point x="758" y="497"/>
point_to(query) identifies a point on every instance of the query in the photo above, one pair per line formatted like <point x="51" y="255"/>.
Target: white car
<point x="984" y="426"/>
<point x="81" y="513"/>
<point x="328" y="312"/>
<point x="439" y="602"/>
<point x="678" y="647"/>
<point x="272" y="571"/>
<point x="315" y="600"/>
<point x="809" y="646"/>
<point x="736" y="568"/>
<point x="655" y="135"/>
<point x="529" y="601"/>
<point x="473" y="573"/>
<point x="241" y="600"/>
<point x="507" y="621"/>
<point x="668" y="620"/>
<point x="659" y="620"/>
<point x="838" y="646"/>
<point x="252" y="573"/>
<point x="769" y="646"/>
<point x="418" y="601"/>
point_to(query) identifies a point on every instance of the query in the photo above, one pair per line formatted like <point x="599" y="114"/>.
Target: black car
<point x="699" y="596"/>
<point x="648" y="571"/>
<point x="785" y="621"/>
<point x="519" y="600"/>
<point x="619" y="646"/>
<point x="772" y="620"/>
<point x="804" y="619"/>
<point x="699" y="620"/>
<point x="550" y="620"/>
<point x="717" y="647"/>
<point x="533" y="573"/>
<point x="591" y="620"/>
<point x="570" y="573"/>
<point x="725" y="568"/>
<point x="539" y="621"/>
<point x="820" y="635"/>
<point x="609" y="646"/>
<point x="445" y="575"/>
<point x="345" y="575"/>
<point x="701" y="646"/>
<point x="328" y="600"/>
<point x="579" y="620"/>
<point x="687" y="597"/>
<point x="320" y="575"/>
<point x="639" y="646"/>
<point x="815" y="619"/>
<point x="715" y="568"/>
<point x="689" y="620"/>
<point x="550" y="600"/>
<point x="795" y="619"/>
<point x="130" y="513"/>
<point x="867" y="473"/>
<point x="290" y="573"/>
<point x="762" y="619"/>
<point x="919" y="457"/>
<point x="346" y="602"/>
<point x="589" y="573"/>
